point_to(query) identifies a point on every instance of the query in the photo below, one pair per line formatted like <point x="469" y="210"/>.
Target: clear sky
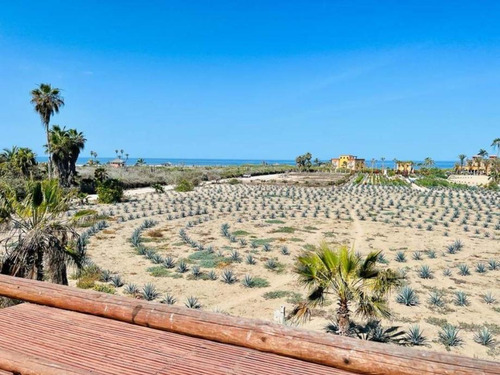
<point x="256" y="79"/>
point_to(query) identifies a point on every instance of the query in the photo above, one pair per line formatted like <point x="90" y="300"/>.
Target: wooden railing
<point x="353" y="355"/>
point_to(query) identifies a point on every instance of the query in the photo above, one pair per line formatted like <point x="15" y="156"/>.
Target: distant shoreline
<point x="446" y="164"/>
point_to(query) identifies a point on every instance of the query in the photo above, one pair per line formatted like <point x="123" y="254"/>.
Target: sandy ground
<point x="469" y="180"/>
<point x="391" y="219"/>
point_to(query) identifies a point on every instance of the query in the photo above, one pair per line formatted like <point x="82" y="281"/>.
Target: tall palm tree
<point x="382" y="159"/>
<point x="483" y="154"/>
<point x="496" y="144"/>
<point x="462" y="157"/>
<point x="428" y="162"/>
<point x="47" y="101"/>
<point x="350" y="279"/>
<point x="41" y="245"/>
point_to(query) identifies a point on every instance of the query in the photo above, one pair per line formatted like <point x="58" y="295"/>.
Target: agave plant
<point x="192" y="303"/>
<point x="228" y="276"/>
<point x="248" y="281"/>
<point x="285" y="251"/>
<point x="149" y="292"/>
<point x="480" y="268"/>
<point x="400" y="257"/>
<point x="484" y="337"/>
<point x="169" y="262"/>
<point x="414" y="336"/>
<point x="448" y="336"/>
<point x="168" y="299"/>
<point x="196" y="272"/>
<point x="463" y="270"/>
<point x="489" y="298"/>
<point x="182" y="267"/>
<point x="407" y="296"/>
<point x="425" y="272"/>
<point x="131" y="289"/>
<point x="436" y="299"/>
<point x="461" y="299"/>
<point x="212" y="275"/>
<point x="106" y="276"/>
<point x="271" y="264"/>
<point x="250" y="259"/>
<point x="117" y="281"/>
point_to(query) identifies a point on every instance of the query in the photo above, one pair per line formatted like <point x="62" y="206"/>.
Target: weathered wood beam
<point x="354" y="355"/>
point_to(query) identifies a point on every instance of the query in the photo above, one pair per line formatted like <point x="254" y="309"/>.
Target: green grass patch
<point x="208" y="260"/>
<point x="104" y="288"/>
<point x="295" y="239"/>
<point x="275" y="221"/>
<point x="310" y="228"/>
<point x="284" y="230"/>
<point x="275" y="294"/>
<point x="259" y="282"/>
<point x="263" y="241"/>
<point x="240" y="233"/>
<point x="309" y="247"/>
<point x="160" y="271"/>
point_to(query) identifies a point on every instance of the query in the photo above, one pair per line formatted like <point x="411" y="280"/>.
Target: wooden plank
<point x="72" y="342"/>
<point x="339" y="352"/>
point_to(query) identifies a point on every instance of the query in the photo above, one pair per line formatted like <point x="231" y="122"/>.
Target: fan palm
<point x="462" y="157"/>
<point x="349" y="278"/>
<point x="18" y="160"/>
<point x="496" y="144"/>
<point x="47" y="101"/>
<point x="40" y="245"/>
<point x="66" y="146"/>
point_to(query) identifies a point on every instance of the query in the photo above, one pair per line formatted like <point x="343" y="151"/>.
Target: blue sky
<point x="257" y="79"/>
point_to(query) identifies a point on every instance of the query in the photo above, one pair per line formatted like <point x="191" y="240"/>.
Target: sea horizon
<point x="199" y="162"/>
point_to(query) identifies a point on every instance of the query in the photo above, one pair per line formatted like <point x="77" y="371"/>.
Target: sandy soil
<point x="391" y="219"/>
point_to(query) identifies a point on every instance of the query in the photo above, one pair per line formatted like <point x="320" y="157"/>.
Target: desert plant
<point x="448" y="336"/>
<point x="461" y="299"/>
<point x="169" y="299"/>
<point x="250" y="259"/>
<point x="436" y="299"/>
<point x="425" y="272"/>
<point x="352" y="280"/>
<point x="117" y="281"/>
<point x="414" y="336"/>
<point x="192" y="303"/>
<point x="489" y="299"/>
<point x="149" y="292"/>
<point x="131" y="289"/>
<point x="484" y="337"/>
<point x="228" y="276"/>
<point x="407" y="296"/>
<point x="400" y="257"/>
<point x="463" y="270"/>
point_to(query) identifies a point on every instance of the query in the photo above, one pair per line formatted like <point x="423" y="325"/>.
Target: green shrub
<point x="234" y="181"/>
<point x="110" y="191"/>
<point x="184" y="186"/>
<point x="104" y="288"/>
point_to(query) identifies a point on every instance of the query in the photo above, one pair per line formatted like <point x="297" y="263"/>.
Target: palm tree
<point x="47" y="101"/>
<point x="41" y="245"/>
<point x="496" y="144"/>
<point x="483" y="154"/>
<point x="19" y="159"/>
<point x="428" y="162"/>
<point x="349" y="278"/>
<point x="66" y="146"/>
<point x="382" y="159"/>
<point x="462" y="157"/>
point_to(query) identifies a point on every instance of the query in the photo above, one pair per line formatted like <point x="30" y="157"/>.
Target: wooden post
<point x="350" y="354"/>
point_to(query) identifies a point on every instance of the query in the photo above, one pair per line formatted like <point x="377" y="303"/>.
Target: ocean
<point x="229" y="162"/>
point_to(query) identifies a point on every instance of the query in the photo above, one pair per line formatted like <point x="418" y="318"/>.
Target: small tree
<point x="109" y="191"/>
<point x="304" y="161"/>
<point x="350" y="279"/>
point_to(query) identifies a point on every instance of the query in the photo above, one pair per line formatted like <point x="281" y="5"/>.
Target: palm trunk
<point x="343" y="319"/>
<point x="49" y="165"/>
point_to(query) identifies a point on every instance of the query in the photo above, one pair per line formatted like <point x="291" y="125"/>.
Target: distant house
<point x="350" y="162"/>
<point x="117" y="163"/>
<point x="479" y="165"/>
<point x="405" y="167"/>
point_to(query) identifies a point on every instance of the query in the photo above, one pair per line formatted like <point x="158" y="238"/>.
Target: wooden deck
<point x="75" y="343"/>
<point x="73" y="331"/>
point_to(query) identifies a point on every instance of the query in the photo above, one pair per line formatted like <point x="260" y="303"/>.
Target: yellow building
<point x="404" y="167"/>
<point x="349" y="162"/>
<point x="479" y="165"/>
